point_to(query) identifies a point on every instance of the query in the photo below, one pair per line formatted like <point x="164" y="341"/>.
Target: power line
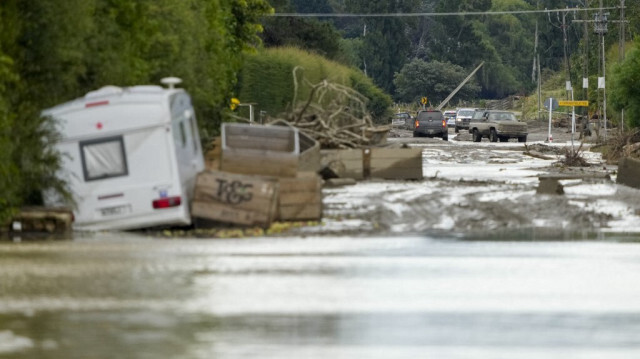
<point x="427" y="14"/>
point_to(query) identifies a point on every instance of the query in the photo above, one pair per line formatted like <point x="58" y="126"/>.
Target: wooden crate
<point x="300" y="198"/>
<point x="309" y="159"/>
<point x="260" y="150"/>
<point x="212" y="157"/>
<point x="385" y="163"/>
<point x="234" y="198"/>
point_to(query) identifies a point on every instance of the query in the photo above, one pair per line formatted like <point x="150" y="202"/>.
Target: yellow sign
<point x="234" y="103"/>
<point x="574" y="103"/>
<point x="423" y="101"/>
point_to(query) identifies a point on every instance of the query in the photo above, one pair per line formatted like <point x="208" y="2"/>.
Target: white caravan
<point x="130" y="156"/>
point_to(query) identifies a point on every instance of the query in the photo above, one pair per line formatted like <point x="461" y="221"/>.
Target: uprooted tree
<point x="335" y="115"/>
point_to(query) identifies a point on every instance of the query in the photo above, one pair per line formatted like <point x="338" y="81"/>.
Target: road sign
<point x="574" y="103"/>
<point x="423" y="101"/>
<point x="551" y="102"/>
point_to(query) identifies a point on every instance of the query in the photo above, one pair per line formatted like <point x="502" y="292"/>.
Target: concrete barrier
<point x="549" y="185"/>
<point x="629" y="172"/>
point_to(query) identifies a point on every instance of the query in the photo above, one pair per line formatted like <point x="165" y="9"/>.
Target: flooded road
<point x="468" y="263"/>
<point x="128" y="296"/>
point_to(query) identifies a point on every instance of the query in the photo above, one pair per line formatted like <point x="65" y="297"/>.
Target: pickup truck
<point x="497" y="125"/>
<point x="431" y="123"/>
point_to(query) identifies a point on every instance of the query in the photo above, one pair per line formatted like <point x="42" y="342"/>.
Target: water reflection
<point x="129" y="296"/>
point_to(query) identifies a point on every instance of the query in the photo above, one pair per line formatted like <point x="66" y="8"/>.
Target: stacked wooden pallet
<point x="262" y="176"/>
<point x="259" y="174"/>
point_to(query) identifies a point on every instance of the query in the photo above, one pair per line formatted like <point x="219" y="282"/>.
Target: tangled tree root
<point x="574" y="158"/>
<point x="618" y="145"/>
<point x="625" y="144"/>
<point x="334" y="115"/>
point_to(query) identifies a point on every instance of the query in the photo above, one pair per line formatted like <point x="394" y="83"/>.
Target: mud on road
<point x="484" y="188"/>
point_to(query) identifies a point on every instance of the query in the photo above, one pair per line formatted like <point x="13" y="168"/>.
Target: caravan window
<point x="183" y="135"/>
<point x="103" y="158"/>
<point x="192" y="122"/>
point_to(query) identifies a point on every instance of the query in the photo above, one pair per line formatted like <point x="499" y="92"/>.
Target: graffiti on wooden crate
<point x="234" y="192"/>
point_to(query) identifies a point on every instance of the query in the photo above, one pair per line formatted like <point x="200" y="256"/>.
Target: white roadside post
<point x="573" y="117"/>
<point x="551" y="104"/>
<point x="549" y="138"/>
<point x="573" y="124"/>
<point x="251" y="115"/>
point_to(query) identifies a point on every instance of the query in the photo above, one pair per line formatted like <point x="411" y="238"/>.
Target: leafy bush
<point x="28" y="163"/>
<point x="9" y="174"/>
<point x="625" y="93"/>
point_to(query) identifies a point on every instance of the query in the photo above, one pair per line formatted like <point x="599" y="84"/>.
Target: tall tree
<point x="318" y="36"/>
<point x="385" y="47"/>
<point x="503" y="42"/>
<point x="201" y="41"/>
<point x="316" y="6"/>
<point x="435" y="80"/>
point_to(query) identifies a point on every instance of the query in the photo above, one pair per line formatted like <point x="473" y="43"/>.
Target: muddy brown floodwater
<point x="108" y="296"/>
<point x="467" y="263"/>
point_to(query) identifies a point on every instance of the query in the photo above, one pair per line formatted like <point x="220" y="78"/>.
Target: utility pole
<point x="622" y="30"/>
<point x="563" y="26"/>
<point x="621" y="52"/>
<point x="446" y="100"/>
<point x="535" y="48"/>
<point x="364" y="61"/>
<point x="539" y="87"/>
<point x="566" y="58"/>
<point x="536" y="61"/>
<point x="585" y="69"/>
<point x="601" y="29"/>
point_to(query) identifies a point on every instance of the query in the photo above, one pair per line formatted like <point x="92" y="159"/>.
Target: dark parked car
<point x="431" y="123"/>
<point x="402" y="120"/>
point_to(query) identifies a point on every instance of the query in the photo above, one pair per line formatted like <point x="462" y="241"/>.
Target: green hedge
<point x="267" y="79"/>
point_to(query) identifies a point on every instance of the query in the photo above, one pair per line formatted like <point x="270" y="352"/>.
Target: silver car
<point x="450" y="116"/>
<point x="463" y="116"/>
